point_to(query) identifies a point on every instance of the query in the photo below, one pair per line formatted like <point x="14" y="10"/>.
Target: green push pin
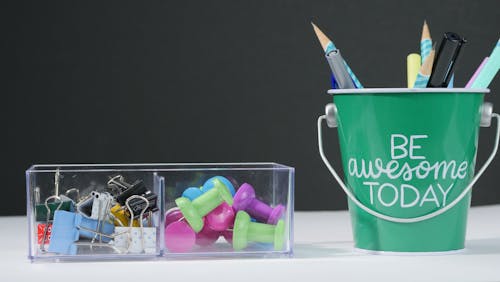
<point x="244" y="230"/>
<point x="194" y="211"/>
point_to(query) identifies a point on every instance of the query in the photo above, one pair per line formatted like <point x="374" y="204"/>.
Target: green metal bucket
<point x="408" y="157"/>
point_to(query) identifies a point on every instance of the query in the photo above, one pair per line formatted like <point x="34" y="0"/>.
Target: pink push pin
<point x="244" y="200"/>
<point x="221" y="217"/>
<point x="228" y="235"/>
<point x="206" y="236"/>
<point x="179" y="237"/>
<point x="172" y="215"/>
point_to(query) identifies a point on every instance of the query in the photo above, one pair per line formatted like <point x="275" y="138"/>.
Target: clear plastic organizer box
<point x="155" y="211"/>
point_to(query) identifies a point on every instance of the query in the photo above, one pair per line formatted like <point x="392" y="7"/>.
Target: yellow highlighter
<point x="413" y="66"/>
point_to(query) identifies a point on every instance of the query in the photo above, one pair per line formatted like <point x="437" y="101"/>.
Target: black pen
<point x="446" y="59"/>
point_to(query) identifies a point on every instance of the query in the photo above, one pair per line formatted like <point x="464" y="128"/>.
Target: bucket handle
<point x="330" y="117"/>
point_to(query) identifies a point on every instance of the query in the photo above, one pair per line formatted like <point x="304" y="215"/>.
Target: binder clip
<point x="136" y="239"/>
<point x="41" y="210"/>
<point x="123" y="190"/>
<point x="69" y="227"/>
<point x="94" y="203"/>
<point x="84" y="206"/>
<point x="42" y="232"/>
<point x="101" y="203"/>
<point x="43" y="229"/>
<point x="73" y="190"/>
<point x="136" y="205"/>
<point x="121" y="218"/>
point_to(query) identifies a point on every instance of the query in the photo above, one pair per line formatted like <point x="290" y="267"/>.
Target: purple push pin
<point x="244" y="200"/>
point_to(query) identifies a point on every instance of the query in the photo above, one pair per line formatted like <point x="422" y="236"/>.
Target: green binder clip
<point x="41" y="210"/>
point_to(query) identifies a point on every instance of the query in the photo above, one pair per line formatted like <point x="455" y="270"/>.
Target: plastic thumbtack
<point x="245" y="231"/>
<point x="245" y="200"/>
<point x="194" y="211"/>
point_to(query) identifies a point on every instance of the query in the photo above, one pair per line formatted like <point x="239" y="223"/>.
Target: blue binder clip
<point x="69" y="227"/>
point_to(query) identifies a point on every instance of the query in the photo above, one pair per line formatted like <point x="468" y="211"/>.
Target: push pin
<point x="244" y="231"/>
<point x="220" y="218"/>
<point x="245" y="200"/>
<point x="194" y="211"/>
<point x="179" y="237"/>
<point x="205" y="237"/>
<point x="173" y="215"/>
<point x="192" y="193"/>
<point x="210" y="183"/>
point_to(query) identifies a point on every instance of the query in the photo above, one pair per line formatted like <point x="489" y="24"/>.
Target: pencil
<point x="425" y="71"/>
<point x="325" y="42"/>
<point x="328" y="46"/>
<point x="412" y="68"/>
<point x="425" y="42"/>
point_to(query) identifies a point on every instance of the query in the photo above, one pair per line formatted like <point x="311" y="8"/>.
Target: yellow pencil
<point x="412" y="67"/>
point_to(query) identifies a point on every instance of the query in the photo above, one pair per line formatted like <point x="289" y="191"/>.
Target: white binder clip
<point x="136" y="239"/>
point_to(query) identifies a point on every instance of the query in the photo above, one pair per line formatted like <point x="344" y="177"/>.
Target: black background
<point x="209" y="81"/>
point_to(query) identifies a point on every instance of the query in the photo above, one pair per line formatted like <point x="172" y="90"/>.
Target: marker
<point x="425" y="42"/>
<point x="476" y="73"/>
<point x="446" y="59"/>
<point x="425" y="71"/>
<point x="412" y="68"/>
<point x="328" y="47"/>
<point x="489" y="70"/>
<point x="336" y="62"/>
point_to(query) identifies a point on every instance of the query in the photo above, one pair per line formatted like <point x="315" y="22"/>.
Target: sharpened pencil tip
<point x="426" y="34"/>
<point x="323" y="39"/>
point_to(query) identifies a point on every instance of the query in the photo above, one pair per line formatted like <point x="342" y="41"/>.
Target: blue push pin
<point x="209" y="184"/>
<point x="194" y="192"/>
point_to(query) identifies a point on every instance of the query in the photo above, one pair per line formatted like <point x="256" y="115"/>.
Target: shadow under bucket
<point x="408" y="157"/>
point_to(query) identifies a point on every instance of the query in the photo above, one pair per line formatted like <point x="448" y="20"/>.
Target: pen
<point x="489" y="70"/>
<point x="446" y="59"/>
<point x="342" y="77"/>
<point x="476" y="73"/>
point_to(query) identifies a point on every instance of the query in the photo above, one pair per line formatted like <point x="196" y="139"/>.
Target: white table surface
<point x="323" y="252"/>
